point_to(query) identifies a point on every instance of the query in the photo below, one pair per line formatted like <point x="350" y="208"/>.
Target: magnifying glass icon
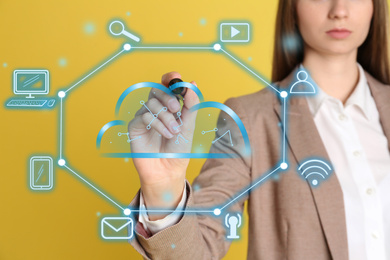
<point x="119" y="25"/>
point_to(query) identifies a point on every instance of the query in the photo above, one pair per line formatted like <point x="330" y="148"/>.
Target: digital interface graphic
<point x="113" y="139"/>
<point x="31" y="82"/>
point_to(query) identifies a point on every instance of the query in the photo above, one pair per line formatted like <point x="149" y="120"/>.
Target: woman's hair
<point x="373" y="54"/>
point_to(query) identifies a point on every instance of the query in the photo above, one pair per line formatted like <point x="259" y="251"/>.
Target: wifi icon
<point x="315" y="171"/>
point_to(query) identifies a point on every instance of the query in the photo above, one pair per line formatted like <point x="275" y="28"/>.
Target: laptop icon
<point x="30" y="82"/>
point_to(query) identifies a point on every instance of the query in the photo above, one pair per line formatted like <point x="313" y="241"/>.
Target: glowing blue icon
<point x="41" y="173"/>
<point x="114" y="228"/>
<point x="234" y="32"/>
<point x="230" y="136"/>
<point x="51" y="102"/>
<point x="233" y="223"/>
<point x="181" y="122"/>
<point x="149" y="126"/>
<point x="302" y="86"/>
<point x="26" y="103"/>
<point x="30" y="82"/>
<point x="118" y="28"/>
<point x="182" y="137"/>
<point x="315" y="171"/>
<point x="212" y="130"/>
<point x="198" y="153"/>
<point x="128" y="137"/>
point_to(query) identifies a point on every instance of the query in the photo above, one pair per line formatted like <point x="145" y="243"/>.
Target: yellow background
<point x="63" y="223"/>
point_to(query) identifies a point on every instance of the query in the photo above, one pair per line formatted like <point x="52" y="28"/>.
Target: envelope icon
<point x="117" y="228"/>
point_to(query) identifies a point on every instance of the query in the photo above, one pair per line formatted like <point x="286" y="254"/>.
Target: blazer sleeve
<point x="203" y="235"/>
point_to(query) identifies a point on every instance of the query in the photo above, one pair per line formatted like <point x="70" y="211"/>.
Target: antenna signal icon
<point x="316" y="171"/>
<point x="233" y="223"/>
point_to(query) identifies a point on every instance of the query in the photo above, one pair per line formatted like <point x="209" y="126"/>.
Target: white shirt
<point x="357" y="147"/>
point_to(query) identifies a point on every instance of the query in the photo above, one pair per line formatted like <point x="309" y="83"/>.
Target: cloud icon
<point x="231" y="138"/>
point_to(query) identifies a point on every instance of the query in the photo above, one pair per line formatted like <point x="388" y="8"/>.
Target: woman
<point x="343" y="44"/>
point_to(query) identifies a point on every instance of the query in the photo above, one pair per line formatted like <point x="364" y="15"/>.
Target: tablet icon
<point x="41" y="173"/>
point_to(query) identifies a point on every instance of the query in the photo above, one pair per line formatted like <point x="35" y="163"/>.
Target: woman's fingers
<point x="189" y="118"/>
<point x="167" y="77"/>
<point x="169" y="101"/>
<point x="191" y="98"/>
<point x="145" y="123"/>
<point x="154" y="123"/>
<point x="159" y="112"/>
<point x="159" y="118"/>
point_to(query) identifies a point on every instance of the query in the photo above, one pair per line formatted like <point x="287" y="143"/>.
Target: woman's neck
<point x="336" y="75"/>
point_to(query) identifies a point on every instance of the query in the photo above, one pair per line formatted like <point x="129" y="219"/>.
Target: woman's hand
<point x="162" y="180"/>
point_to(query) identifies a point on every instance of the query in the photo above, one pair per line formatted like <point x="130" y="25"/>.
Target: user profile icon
<point x="302" y="86"/>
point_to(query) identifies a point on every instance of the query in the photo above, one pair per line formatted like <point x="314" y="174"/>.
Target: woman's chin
<point x="336" y="49"/>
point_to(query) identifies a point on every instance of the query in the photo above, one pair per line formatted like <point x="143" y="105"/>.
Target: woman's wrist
<point x="164" y="197"/>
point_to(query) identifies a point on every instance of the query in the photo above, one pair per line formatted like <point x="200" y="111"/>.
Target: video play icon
<point x="234" y="32"/>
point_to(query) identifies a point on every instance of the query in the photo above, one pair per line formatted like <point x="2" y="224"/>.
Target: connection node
<point x="61" y="94"/>
<point x="283" y="94"/>
<point x="61" y="162"/>
<point x="284" y="166"/>
<point x="217" y="212"/>
<point x="126" y="47"/>
<point x="217" y="47"/>
<point x="127" y="212"/>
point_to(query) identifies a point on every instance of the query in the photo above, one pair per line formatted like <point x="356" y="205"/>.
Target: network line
<point x="61" y="118"/>
<point x="216" y="47"/>
<point x="81" y="80"/>
<point x="181" y="121"/>
<point x="173" y="47"/>
<point x="230" y="136"/>
<point x="251" y="71"/>
<point x="284" y="129"/>
<point x="207" y="48"/>
<point x="171" y="211"/>
<point x="261" y="180"/>
<point x="92" y="186"/>
<point x="251" y="187"/>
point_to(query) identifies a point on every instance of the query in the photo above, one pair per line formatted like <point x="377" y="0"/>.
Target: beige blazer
<point x="288" y="218"/>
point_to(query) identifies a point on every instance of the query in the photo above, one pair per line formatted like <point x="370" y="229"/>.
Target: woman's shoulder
<point x="261" y="100"/>
<point x="260" y="104"/>
<point x="266" y="98"/>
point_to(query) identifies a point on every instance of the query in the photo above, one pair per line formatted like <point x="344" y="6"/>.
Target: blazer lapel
<point x="381" y="95"/>
<point x="305" y="142"/>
